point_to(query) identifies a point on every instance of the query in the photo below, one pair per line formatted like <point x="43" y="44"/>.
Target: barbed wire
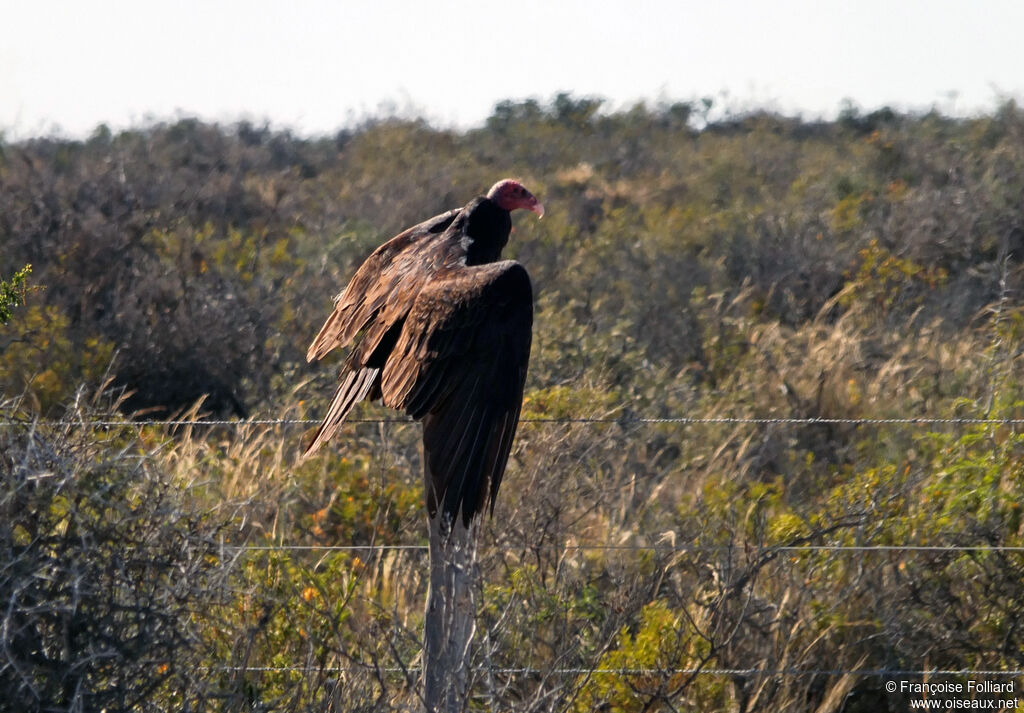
<point x="580" y="671"/>
<point x="624" y="420"/>
<point x="656" y="548"/>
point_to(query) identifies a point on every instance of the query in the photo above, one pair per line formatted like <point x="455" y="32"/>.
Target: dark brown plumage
<point x="440" y="328"/>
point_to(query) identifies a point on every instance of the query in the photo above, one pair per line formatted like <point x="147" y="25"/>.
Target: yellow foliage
<point x="43" y="363"/>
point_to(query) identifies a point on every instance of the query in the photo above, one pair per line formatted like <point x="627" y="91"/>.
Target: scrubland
<point x="772" y="440"/>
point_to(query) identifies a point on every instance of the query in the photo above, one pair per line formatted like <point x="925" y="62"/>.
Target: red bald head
<point x="510" y="194"/>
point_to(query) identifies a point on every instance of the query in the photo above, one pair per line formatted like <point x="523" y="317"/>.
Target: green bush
<point x="12" y="292"/>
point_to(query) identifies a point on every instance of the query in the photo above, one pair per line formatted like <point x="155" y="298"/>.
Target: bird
<point x="440" y="327"/>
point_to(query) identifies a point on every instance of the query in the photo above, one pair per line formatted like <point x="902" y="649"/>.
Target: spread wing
<point x="374" y="305"/>
<point x="460" y="365"/>
<point x="375" y="293"/>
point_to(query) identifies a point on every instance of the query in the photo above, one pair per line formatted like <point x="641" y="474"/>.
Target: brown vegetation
<point x="761" y="268"/>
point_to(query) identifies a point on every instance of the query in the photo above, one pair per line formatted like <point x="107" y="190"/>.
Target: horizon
<point x="717" y="115"/>
<point x="319" y="67"/>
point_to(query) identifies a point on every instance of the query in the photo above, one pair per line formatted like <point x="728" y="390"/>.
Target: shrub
<point x="108" y="568"/>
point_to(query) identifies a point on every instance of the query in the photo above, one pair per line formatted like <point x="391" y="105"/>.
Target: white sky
<point x="317" y="65"/>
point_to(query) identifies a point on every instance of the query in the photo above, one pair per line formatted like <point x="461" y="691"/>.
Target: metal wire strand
<point x="240" y="423"/>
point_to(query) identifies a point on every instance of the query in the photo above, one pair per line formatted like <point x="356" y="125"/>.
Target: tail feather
<point x="354" y="388"/>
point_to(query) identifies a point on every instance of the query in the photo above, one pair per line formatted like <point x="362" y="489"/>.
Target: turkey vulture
<point x="440" y="328"/>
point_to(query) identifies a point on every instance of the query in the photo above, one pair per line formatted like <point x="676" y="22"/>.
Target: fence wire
<point x="659" y="549"/>
<point x="625" y="420"/>
<point x="583" y="671"/>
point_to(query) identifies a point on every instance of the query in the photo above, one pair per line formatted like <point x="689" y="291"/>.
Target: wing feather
<point x="375" y="304"/>
<point x="501" y="449"/>
<point x="460" y="363"/>
<point x="428" y="390"/>
<point x="376" y="283"/>
<point x="354" y="387"/>
<point x="464" y="480"/>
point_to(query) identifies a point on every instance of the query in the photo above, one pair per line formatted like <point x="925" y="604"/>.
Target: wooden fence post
<point x="451" y="615"/>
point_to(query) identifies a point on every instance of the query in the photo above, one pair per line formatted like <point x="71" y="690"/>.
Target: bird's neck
<point x="486" y="231"/>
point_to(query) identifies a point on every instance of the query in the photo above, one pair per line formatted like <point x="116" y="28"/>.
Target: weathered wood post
<point x="450" y="619"/>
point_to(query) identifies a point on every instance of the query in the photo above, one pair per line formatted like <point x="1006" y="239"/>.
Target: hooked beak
<point x="537" y="207"/>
